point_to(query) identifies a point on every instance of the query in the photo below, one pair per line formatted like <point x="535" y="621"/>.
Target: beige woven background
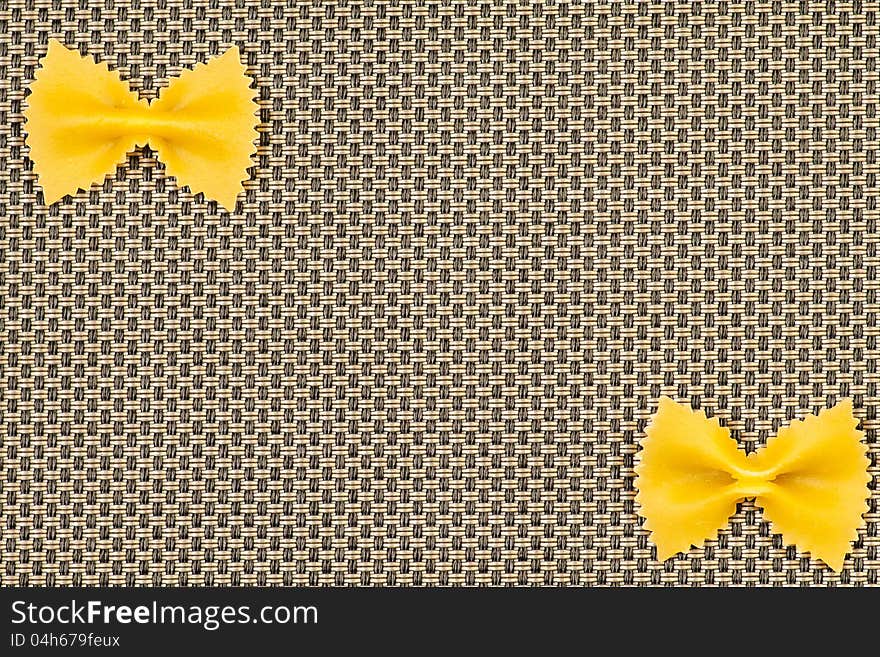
<point x="481" y="238"/>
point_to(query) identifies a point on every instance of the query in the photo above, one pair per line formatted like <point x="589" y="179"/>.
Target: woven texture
<point x="480" y="240"/>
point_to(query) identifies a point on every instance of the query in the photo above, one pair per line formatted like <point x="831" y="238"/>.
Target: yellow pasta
<point x="811" y="480"/>
<point x="82" y="120"/>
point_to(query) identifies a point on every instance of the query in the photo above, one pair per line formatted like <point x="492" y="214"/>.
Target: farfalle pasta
<point x="82" y="120"/>
<point x="811" y="480"/>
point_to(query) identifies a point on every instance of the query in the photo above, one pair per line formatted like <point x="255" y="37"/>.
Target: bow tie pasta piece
<point x="811" y="480"/>
<point x="82" y="120"/>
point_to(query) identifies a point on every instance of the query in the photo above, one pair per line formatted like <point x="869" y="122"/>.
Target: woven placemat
<point x="480" y="240"/>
